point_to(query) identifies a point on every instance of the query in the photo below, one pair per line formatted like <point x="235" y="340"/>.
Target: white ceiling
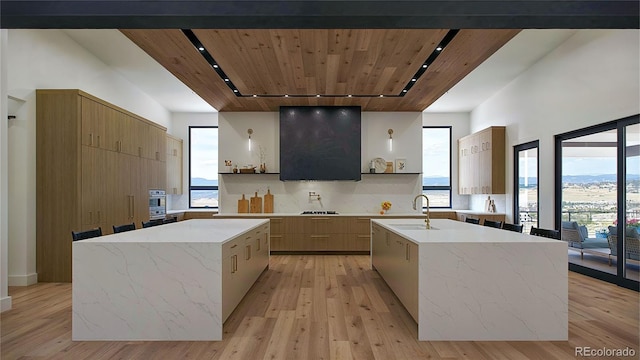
<point x="119" y="53"/>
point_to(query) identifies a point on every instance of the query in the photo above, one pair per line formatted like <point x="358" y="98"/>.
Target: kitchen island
<point x="462" y="281"/>
<point x="178" y="281"/>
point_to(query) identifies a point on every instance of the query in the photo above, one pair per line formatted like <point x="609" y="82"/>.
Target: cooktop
<point x="319" y="212"/>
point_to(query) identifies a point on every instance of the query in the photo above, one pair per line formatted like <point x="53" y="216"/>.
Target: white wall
<point x="590" y="79"/>
<point x="344" y="196"/>
<point x="5" y="299"/>
<point x="179" y="127"/>
<point x="40" y="59"/>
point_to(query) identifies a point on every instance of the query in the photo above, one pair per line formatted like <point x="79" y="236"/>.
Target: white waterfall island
<point x="178" y="281"/>
<point x="462" y="281"/>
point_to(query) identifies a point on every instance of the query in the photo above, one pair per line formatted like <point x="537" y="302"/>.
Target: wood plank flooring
<point x="317" y="307"/>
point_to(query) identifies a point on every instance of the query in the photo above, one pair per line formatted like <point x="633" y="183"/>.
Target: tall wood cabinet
<point x="95" y="164"/>
<point x="481" y="162"/>
<point x="174" y="165"/>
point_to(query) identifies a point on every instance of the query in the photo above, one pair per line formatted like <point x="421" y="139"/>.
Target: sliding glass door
<point x="598" y="199"/>
<point x="525" y="202"/>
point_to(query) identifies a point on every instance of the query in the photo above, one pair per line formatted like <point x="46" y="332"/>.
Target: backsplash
<point x="342" y="196"/>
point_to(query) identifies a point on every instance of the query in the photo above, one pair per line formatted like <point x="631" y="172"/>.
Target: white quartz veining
<point x="158" y="283"/>
<point x="482" y="283"/>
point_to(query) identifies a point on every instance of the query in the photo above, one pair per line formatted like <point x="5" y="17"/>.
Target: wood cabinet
<point x="396" y="260"/>
<point x="89" y="172"/>
<point x="244" y="258"/>
<point x="174" y="165"/>
<point x="481" y="162"/>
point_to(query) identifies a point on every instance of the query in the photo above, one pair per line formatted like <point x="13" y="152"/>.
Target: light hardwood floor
<point x="317" y="307"/>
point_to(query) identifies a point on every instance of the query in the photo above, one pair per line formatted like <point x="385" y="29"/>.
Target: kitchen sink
<point x="411" y="227"/>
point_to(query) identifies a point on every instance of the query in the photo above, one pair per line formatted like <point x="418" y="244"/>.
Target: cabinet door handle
<point x="140" y="151"/>
<point x="247" y="252"/>
<point x="407" y="252"/>
<point x="234" y="246"/>
<point x="157" y="155"/>
<point x="91" y="139"/>
<point x="319" y="236"/>
<point x="234" y="263"/>
<point x="257" y="244"/>
<point x="98" y="140"/>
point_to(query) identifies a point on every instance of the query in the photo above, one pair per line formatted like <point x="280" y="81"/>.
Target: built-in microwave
<point x="157" y="204"/>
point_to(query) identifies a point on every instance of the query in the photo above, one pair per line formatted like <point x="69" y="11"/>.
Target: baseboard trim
<point x="23" y="280"/>
<point x="5" y="303"/>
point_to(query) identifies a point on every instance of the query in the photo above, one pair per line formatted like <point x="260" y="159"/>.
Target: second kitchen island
<point x="462" y="281"/>
<point x="177" y="281"/>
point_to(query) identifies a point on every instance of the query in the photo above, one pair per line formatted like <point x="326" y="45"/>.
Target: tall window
<point x="525" y="204"/>
<point x="436" y="165"/>
<point x="203" y="166"/>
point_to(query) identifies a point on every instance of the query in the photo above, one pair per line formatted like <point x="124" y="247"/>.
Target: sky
<point x="204" y="153"/>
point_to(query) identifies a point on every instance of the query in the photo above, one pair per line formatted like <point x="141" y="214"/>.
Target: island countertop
<point x="449" y="231"/>
<point x="192" y="231"/>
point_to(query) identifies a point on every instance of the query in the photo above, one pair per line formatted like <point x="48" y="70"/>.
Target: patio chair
<point x="632" y="243"/>
<point x="577" y="237"/>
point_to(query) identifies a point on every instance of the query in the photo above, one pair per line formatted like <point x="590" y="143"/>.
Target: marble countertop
<point x="449" y="231"/>
<point x="192" y="231"/>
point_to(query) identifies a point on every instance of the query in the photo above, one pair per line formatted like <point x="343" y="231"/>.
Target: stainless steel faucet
<point x="427" y="221"/>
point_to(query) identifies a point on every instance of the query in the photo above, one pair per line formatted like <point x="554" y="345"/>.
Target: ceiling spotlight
<point x="201" y="48"/>
<point x="349" y="95"/>
<point x="424" y="66"/>
<point x="285" y="95"/>
<point x="318" y="95"/>
<point x="235" y="90"/>
<point x="254" y="95"/>
<point x="439" y="48"/>
<point x="381" y="95"/>
<point x="215" y="66"/>
<point x="414" y="79"/>
<point x="227" y="80"/>
<point x="405" y="90"/>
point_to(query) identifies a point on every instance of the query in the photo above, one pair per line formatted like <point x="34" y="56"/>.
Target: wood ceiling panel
<point x="464" y="53"/>
<point x="329" y="61"/>
<point x="306" y="62"/>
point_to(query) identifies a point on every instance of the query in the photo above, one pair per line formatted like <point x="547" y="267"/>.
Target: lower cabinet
<point x="244" y="258"/>
<point x="396" y="260"/>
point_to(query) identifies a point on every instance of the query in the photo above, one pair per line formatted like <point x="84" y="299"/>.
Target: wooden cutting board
<point x="256" y="204"/>
<point x="243" y="205"/>
<point x="268" y="202"/>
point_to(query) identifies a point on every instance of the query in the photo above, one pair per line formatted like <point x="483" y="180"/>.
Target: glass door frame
<point x="619" y="278"/>
<point x="516" y="178"/>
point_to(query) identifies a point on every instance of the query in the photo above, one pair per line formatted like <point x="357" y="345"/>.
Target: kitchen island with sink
<point x="178" y="281"/>
<point x="462" y="281"/>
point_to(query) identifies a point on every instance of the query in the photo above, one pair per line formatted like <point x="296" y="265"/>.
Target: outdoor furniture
<point x="632" y="243"/>
<point x="577" y="237"/>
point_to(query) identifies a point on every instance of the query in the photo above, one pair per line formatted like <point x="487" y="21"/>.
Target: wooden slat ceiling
<point x="320" y="61"/>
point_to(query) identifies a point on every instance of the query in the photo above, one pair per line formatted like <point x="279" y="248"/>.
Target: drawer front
<point x="232" y="247"/>
<point x="320" y="225"/>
